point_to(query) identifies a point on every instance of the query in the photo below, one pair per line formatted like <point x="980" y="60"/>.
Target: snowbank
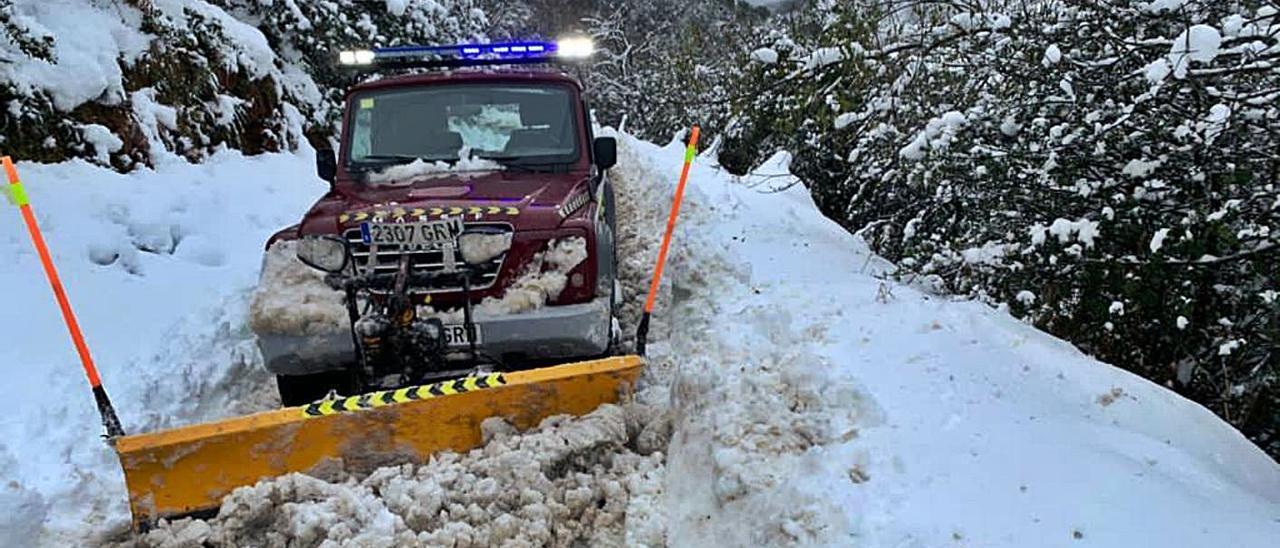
<point x="159" y="266"/>
<point x="817" y="404"/>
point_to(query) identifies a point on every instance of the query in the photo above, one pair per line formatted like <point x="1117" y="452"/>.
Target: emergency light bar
<point x="462" y="55"/>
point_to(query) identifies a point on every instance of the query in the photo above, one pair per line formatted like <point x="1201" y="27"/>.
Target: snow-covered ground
<point x="804" y="399"/>
<point x="159" y="266"/>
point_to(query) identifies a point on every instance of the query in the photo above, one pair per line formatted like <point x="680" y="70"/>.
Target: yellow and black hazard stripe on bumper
<point x="391" y="397"/>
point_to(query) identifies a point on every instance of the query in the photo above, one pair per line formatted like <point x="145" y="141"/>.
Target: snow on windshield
<point x="405" y="173"/>
<point x="535" y="122"/>
<point x="486" y="128"/>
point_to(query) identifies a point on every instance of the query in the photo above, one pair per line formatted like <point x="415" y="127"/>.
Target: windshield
<point x="518" y="124"/>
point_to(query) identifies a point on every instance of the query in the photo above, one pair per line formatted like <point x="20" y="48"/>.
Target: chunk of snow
<point x="405" y="173"/>
<point x="1232" y="25"/>
<point x="482" y="246"/>
<point x="1052" y="55"/>
<point x="1157" y="240"/>
<point x="1116" y="308"/>
<point x="767" y="56"/>
<point x="822" y="57"/>
<point x="1199" y="43"/>
<point x="103" y="141"/>
<point x="1010" y="126"/>
<point x="1087" y="231"/>
<point x="937" y="135"/>
<point x="1038" y="234"/>
<point x="843" y="120"/>
<point x="1215" y="122"/>
<point x="1083" y="230"/>
<point x="1226" y="348"/>
<point x="397" y="7"/>
<point x="1183" y="322"/>
<point x="990" y="253"/>
<point x="1158" y="70"/>
<point x="1140" y="168"/>
<point x="1026" y="297"/>
<point x="1161" y="6"/>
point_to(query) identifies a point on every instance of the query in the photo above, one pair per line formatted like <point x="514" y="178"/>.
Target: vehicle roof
<point x="472" y="75"/>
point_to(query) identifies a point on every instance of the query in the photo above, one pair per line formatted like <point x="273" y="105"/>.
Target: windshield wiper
<point x="391" y="157"/>
<point x="537" y="168"/>
<point x="378" y="161"/>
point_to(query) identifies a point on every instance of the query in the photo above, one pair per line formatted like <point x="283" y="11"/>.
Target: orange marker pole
<point x="642" y="332"/>
<point x="18" y="195"/>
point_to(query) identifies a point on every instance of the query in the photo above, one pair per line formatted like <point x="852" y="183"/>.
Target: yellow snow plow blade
<point x="190" y="469"/>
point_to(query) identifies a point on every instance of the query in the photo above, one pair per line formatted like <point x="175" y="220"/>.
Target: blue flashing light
<point x="513" y="50"/>
<point x="471" y="54"/>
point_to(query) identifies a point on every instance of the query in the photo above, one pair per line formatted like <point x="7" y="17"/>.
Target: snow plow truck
<point x="469" y="228"/>
<point x="461" y="267"/>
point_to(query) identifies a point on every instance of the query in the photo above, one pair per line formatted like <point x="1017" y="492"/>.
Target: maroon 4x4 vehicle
<point x="469" y="227"/>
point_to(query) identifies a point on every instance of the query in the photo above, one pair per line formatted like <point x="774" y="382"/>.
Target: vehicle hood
<point x="529" y="201"/>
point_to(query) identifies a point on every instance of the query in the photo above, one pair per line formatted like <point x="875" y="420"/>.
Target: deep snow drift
<point x="804" y="399"/>
<point x="159" y="266"/>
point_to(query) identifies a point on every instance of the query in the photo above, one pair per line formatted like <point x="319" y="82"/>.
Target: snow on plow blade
<point x="190" y="469"/>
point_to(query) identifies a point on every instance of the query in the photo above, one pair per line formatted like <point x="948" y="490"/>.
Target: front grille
<point x="385" y="259"/>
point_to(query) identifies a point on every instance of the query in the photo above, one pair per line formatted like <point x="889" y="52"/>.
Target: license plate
<point x="456" y="335"/>
<point x="412" y="235"/>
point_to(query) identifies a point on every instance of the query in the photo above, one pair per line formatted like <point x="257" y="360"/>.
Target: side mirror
<point x="326" y="164"/>
<point x="605" y="151"/>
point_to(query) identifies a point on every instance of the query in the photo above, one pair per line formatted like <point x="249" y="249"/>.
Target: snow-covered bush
<point x="1106" y="168"/>
<point x="114" y="81"/>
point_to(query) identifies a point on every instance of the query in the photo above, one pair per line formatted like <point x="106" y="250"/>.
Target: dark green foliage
<point x="986" y="165"/>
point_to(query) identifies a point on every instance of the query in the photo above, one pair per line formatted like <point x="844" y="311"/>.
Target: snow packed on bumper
<point x="292" y="298"/>
<point x="543" y="279"/>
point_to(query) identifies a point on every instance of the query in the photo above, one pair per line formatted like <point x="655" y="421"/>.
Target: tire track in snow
<point x="597" y="479"/>
<point x="732" y="408"/>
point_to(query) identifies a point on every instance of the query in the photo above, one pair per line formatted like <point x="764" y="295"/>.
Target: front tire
<point x="296" y="390"/>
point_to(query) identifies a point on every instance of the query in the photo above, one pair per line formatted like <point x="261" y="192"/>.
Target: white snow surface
<point x="159" y="266"/>
<point x="809" y="401"/>
<point x="767" y="56"/>
<point x="90" y="40"/>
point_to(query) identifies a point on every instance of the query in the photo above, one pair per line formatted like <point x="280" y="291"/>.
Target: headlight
<point x="481" y="247"/>
<point x="575" y="47"/>
<point x="327" y="253"/>
<point x="357" y="57"/>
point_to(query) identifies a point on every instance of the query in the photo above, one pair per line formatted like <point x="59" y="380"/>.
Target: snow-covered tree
<point x="664" y="65"/>
<point x="192" y="76"/>
<point x="1105" y="168"/>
